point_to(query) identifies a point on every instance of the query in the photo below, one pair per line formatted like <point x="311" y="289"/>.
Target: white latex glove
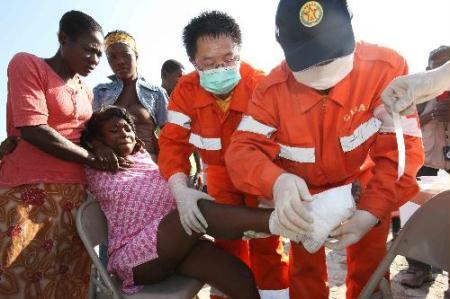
<point x="186" y="198"/>
<point x="403" y="93"/>
<point x="353" y="230"/>
<point x="328" y="209"/>
<point x="289" y="192"/>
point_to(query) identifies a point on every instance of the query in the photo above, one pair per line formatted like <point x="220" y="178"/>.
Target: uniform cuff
<point x="268" y="178"/>
<point x="168" y="174"/>
<point x="379" y="208"/>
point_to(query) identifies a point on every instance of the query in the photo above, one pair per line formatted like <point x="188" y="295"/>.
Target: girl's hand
<point x="140" y="146"/>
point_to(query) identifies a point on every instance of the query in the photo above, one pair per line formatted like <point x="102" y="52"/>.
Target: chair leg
<point x="385" y="289"/>
<point x="374" y="280"/>
<point x="92" y="291"/>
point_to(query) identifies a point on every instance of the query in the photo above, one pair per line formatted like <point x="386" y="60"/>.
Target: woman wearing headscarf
<point x="143" y="100"/>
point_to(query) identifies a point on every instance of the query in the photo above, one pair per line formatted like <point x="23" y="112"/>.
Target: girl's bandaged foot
<point x="276" y="228"/>
<point x="328" y="209"/>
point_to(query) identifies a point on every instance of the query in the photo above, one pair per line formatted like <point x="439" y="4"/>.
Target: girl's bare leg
<point x="179" y="252"/>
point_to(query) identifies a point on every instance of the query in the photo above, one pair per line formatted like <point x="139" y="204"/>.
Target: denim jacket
<point x="152" y="97"/>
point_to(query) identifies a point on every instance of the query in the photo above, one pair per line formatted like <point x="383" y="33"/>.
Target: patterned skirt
<point x="41" y="255"/>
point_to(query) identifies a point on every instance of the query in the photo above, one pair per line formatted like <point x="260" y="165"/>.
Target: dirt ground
<point x="337" y="270"/>
<point x="336" y="261"/>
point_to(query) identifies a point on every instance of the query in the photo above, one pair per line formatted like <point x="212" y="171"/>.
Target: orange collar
<point x="311" y="97"/>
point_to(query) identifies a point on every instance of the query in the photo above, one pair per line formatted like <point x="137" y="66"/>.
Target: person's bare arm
<point x="53" y="143"/>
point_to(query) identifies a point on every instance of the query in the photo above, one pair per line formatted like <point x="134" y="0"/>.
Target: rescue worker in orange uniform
<point x="204" y="111"/>
<point x="317" y="122"/>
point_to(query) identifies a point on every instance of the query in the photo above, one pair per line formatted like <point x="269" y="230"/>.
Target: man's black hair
<point x="210" y="23"/>
<point x="170" y="66"/>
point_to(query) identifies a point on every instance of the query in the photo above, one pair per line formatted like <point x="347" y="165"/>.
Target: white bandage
<point x="400" y="144"/>
<point x="328" y="209"/>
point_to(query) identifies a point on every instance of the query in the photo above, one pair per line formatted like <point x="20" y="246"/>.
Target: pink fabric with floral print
<point x="38" y="96"/>
<point x="134" y="202"/>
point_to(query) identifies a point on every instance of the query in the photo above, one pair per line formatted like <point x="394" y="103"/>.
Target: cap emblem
<point x="311" y="14"/>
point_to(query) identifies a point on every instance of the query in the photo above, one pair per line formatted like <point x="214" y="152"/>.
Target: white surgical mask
<point x="323" y="77"/>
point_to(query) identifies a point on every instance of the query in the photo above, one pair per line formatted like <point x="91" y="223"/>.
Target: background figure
<point x="404" y="92"/>
<point x="145" y="101"/>
<point x="47" y="107"/>
<point x="171" y="72"/>
<point x="434" y="119"/>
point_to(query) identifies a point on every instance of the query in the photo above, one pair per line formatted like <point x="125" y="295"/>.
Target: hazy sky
<point x="411" y="27"/>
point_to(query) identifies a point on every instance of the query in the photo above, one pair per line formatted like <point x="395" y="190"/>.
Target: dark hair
<point x="98" y="118"/>
<point x="210" y="23"/>
<point x="75" y="23"/>
<point x="438" y="51"/>
<point x="170" y="66"/>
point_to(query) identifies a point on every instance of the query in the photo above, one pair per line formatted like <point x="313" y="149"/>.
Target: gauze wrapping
<point x="328" y="209"/>
<point x="400" y="145"/>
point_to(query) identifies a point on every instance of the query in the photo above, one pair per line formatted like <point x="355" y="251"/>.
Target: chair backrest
<point x="92" y="228"/>
<point x="426" y="236"/>
<point x="93" y="222"/>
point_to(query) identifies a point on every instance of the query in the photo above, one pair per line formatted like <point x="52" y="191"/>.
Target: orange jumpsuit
<point x="330" y="140"/>
<point x="196" y="121"/>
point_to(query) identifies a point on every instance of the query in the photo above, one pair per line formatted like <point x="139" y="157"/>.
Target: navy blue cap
<point x="311" y="32"/>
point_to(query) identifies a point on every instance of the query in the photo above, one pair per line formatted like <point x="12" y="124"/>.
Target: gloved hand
<point x="289" y="192"/>
<point x="186" y="198"/>
<point x="403" y="93"/>
<point x="276" y="228"/>
<point x="353" y="230"/>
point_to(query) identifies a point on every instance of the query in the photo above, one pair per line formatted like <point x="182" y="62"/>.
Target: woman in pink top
<point x="41" y="181"/>
<point x="146" y="241"/>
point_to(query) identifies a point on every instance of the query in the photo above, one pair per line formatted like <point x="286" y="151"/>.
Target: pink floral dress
<point x="134" y="201"/>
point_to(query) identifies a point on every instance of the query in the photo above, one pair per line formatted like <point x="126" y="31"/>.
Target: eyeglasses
<point x="210" y="66"/>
